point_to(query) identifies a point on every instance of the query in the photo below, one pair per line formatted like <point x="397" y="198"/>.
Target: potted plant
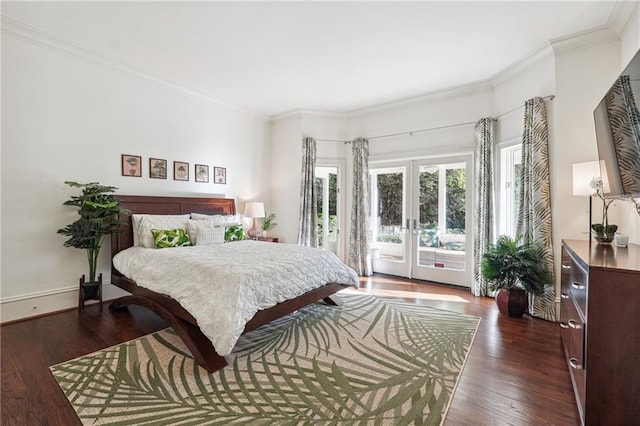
<point x="99" y="210"/>
<point x="515" y="268"/>
<point x="268" y="223"/>
<point x="603" y="232"/>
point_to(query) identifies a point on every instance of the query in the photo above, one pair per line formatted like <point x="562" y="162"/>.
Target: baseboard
<point x="34" y="305"/>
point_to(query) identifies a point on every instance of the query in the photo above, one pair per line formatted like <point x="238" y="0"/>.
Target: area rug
<point x="371" y="360"/>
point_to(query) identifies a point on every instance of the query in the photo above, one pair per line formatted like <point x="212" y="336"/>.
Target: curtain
<point x="359" y="245"/>
<point x="534" y="215"/>
<point x="624" y="120"/>
<point x="483" y="224"/>
<point x="307" y="228"/>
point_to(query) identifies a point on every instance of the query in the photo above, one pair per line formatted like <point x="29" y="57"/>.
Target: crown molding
<point x="585" y="39"/>
<point x="622" y="15"/>
<point x="303" y="113"/>
<point x="296" y="113"/>
<point x="55" y="43"/>
<point x="542" y="53"/>
<point x="464" y="89"/>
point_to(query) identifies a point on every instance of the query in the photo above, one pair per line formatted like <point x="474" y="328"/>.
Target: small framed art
<point x="219" y="175"/>
<point x="202" y="173"/>
<point x="180" y="170"/>
<point x="131" y="165"/>
<point x="157" y="168"/>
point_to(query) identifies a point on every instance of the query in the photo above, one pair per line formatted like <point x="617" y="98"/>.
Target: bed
<point x="182" y="320"/>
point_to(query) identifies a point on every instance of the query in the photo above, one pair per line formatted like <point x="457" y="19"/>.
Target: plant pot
<point x="513" y="302"/>
<point x="90" y="290"/>
<point x="604" y="234"/>
<point x="604" y="238"/>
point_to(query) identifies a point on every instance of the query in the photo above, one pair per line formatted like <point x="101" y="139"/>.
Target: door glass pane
<point x="327" y="205"/>
<point x="387" y="210"/>
<point x="509" y="203"/>
<point x="442" y="197"/>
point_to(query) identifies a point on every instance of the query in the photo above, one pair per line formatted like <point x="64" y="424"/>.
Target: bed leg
<point x="333" y="300"/>
<point x="118" y="305"/>
<point x="199" y="345"/>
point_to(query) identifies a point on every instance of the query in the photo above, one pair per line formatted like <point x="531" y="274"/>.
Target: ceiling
<point x="270" y="58"/>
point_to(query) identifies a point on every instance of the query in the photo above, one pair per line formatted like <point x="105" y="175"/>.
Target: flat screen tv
<point x="617" y="122"/>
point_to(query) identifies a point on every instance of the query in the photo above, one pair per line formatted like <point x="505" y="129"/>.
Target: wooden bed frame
<point x="169" y="309"/>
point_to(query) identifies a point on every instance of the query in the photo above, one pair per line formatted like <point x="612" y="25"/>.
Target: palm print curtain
<point x="624" y="120"/>
<point x="359" y="244"/>
<point x="307" y="229"/>
<point x="534" y="216"/>
<point x="483" y="208"/>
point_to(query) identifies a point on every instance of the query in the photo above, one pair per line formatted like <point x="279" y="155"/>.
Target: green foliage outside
<point x="390" y="189"/>
<point x="333" y="224"/>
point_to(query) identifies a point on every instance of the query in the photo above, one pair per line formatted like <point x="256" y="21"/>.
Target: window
<point x="327" y="204"/>
<point x="509" y="189"/>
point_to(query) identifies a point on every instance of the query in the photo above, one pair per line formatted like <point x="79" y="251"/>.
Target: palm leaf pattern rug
<point x="369" y="361"/>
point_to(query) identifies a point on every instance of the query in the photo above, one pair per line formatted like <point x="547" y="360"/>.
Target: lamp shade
<point x="584" y="173"/>
<point x="254" y="209"/>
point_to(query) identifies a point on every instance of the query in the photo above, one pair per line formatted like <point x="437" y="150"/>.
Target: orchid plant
<point x="602" y="228"/>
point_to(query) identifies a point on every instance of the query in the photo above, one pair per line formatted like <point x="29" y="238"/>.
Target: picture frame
<point x="201" y="173"/>
<point x="131" y="165"/>
<point x="220" y="175"/>
<point x="157" y="168"/>
<point x="180" y="170"/>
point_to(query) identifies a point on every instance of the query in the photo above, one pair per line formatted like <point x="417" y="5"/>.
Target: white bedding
<point x="224" y="285"/>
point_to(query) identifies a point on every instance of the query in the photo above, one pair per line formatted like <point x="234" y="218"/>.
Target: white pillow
<point x="210" y="236"/>
<point x="135" y="225"/>
<point x="148" y="222"/>
<point x="203" y="234"/>
<point x="217" y="219"/>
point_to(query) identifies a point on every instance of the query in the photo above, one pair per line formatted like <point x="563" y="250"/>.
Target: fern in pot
<point x="99" y="212"/>
<point x="515" y="268"/>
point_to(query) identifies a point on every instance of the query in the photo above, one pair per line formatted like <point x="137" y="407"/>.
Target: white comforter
<point x="224" y="285"/>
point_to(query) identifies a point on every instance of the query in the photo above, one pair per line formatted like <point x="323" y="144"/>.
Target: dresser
<point x="600" y="329"/>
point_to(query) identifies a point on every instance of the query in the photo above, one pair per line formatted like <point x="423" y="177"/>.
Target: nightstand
<point x="267" y="239"/>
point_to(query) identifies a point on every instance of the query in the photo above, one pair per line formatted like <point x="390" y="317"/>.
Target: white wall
<point x="450" y="108"/>
<point x="286" y="161"/>
<point x="525" y="80"/>
<point x="69" y="117"/>
<point x="582" y="76"/>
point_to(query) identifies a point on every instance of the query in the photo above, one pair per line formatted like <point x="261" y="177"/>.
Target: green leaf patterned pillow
<point x="234" y="233"/>
<point x="164" y="238"/>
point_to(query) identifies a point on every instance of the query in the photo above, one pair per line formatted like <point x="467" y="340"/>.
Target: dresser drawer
<point x="572" y="332"/>
<point x="578" y="287"/>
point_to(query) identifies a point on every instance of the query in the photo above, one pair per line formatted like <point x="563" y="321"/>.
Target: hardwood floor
<point x="515" y="373"/>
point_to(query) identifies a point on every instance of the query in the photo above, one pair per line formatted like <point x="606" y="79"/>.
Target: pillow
<point x="429" y="238"/>
<point x="202" y="234"/>
<point x="165" y="238"/>
<point x="149" y="222"/>
<point x="454" y="245"/>
<point x="234" y="233"/>
<point x="217" y="219"/>
<point x="211" y="235"/>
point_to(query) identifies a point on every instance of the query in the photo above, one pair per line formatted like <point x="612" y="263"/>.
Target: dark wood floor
<point x="515" y="373"/>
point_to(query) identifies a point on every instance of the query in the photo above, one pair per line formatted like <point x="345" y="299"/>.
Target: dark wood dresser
<point x="600" y="320"/>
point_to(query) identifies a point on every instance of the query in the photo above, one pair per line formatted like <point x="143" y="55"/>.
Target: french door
<point x="419" y="216"/>
<point x="329" y="207"/>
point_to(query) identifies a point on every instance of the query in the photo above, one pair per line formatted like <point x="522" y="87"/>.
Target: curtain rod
<point x="550" y="97"/>
<point x="411" y="133"/>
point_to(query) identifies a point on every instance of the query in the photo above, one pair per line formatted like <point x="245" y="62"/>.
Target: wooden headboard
<point x="140" y="204"/>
